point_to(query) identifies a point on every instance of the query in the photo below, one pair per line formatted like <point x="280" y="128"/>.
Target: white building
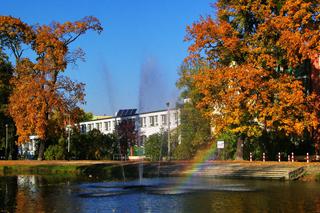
<point x="146" y="123"/>
<point x="28" y="150"/>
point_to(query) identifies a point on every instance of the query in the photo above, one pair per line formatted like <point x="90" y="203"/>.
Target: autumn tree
<point x="257" y="70"/>
<point x="39" y="87"/>
<point x="126" y="135"/>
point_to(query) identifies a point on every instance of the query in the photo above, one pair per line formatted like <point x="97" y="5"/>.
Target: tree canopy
<point x="256" y="66"/>
<point x="39" y="87"/>
<point x="6" y="73"/>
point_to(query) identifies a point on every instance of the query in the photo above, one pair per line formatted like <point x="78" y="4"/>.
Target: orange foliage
<point x="40" y="89"/>
<point x="267" y="33"/>
<point x="247" y="52"/>
<point x="250" y="101"/>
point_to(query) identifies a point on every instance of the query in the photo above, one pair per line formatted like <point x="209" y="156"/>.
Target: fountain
<point x="150" y="96"/>
<point x="110" y="95"/>
<point x="151" y="79"/>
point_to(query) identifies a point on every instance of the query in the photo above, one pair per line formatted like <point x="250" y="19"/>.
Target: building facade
<point x="28" y="150"/>
<point x="146" y="123"/>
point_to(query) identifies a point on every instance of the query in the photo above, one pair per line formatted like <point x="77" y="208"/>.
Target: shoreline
<point x="109" y="168"/>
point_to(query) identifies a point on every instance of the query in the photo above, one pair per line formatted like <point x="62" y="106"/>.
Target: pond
<point x="73" y="194"/>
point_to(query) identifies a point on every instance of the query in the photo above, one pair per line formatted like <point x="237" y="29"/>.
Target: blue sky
<point x="134" y="62"/>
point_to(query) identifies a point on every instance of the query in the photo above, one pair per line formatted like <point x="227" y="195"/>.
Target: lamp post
<point x="6" y="153"/>
<point x="169" y="148"/>
<point x="69" y="135"/>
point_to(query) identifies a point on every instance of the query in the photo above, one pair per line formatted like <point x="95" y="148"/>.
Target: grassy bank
<point x="39" y="169"/>
<point x="312" y="173"/>
<point x="116" y="170"/>
<point x="93" y="169"/>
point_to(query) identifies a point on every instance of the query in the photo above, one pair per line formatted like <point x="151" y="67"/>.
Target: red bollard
<point x="308" y="157"/>
<point x="279" y="157"/>
<point x="264" y="157"/>
<point x="250" y="157"/>
<point x="289" y="158"/>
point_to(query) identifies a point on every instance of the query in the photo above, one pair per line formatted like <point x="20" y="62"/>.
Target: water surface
<point x="71" y="194"/>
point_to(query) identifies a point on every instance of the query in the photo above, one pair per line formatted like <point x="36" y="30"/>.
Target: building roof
<point x="99" y="117"/>
<point x="126" y="112"/>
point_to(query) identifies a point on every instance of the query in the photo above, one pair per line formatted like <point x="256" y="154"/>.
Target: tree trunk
<point x="41" y="151"/>
<point x="239" y="152"/>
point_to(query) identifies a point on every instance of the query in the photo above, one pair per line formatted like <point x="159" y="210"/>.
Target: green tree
<point x="156" y="146"/>
<point x="194" y="129"/>
<point x="194" y="132"/>
<point x="6" y="73"/>
<point x="56" y="151"/>
<point x="93" y="145"/>
<point x="83" y="116"/>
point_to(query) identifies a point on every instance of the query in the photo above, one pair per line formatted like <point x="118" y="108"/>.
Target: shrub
<point x="183" y="152"/>
<point x="92" y="146"/>
<point x="56" y="151"/>
<point x="156" y="146"/>
<point x="230" y="145"/>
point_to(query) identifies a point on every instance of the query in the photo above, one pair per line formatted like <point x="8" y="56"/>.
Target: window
<point x="143" y="122"/>
<point x="89" y="127"/>
<point x="164" y="119"/>
<point x="151" y="121"/>
<point x="99" y="126"/>
<point x="83" y="128"/>
<point x="156" y="119"/>
<point x="107" y="126"/>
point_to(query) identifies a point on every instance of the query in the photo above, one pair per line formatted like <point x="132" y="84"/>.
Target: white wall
<point x="147" y="123"/>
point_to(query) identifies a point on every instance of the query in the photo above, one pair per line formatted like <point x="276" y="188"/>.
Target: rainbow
<point x="197" y="165"/>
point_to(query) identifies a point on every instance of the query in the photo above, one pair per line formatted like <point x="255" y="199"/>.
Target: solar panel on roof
<point x="126" y="112"/>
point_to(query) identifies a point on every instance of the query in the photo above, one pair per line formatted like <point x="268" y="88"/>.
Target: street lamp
<point x="69" y="135"/>
<point x="6" y="141"/>
<point x="169" y="148"/>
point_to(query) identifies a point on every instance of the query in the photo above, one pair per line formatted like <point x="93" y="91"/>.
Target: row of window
<point x="109" y="125"/>
<point x="153" y="120"/>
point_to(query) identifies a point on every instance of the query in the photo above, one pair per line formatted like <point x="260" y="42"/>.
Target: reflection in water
<point x="8" y="192"/>
<point x="28" y="193"/>
<point x="66" y="194"/>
